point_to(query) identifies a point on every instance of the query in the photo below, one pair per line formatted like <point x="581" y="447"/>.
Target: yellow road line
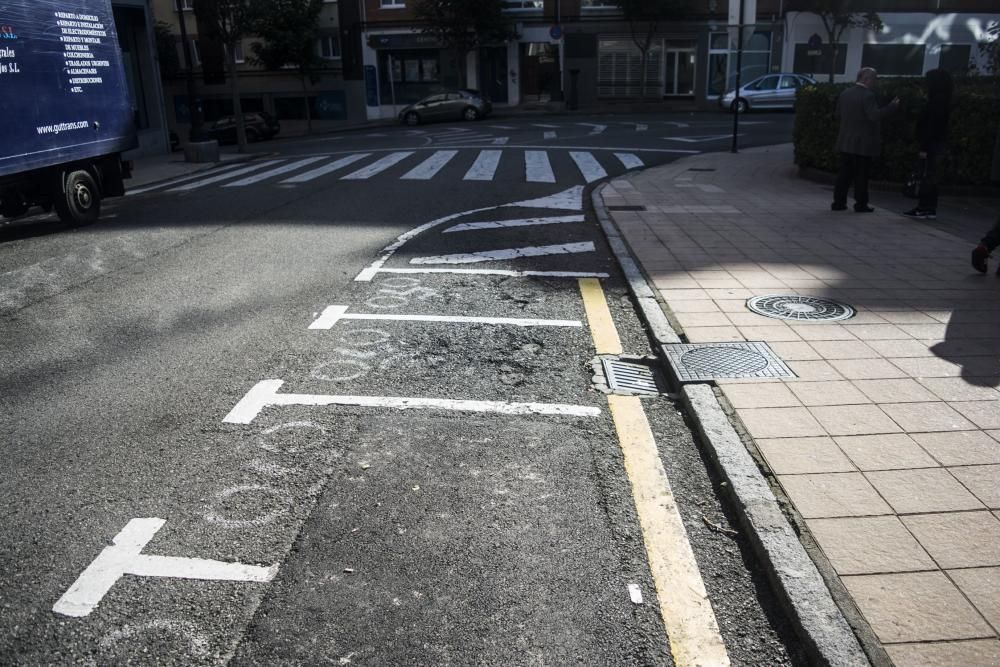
<point x="602" y="327"/>
<point x="684" y="605"/>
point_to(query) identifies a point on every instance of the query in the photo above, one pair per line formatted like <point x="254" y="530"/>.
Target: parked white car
<point x="771" y="91"/>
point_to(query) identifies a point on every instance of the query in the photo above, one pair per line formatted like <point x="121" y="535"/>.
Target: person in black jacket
<point x="932" y="131"/>
<point x="982" y="251"/>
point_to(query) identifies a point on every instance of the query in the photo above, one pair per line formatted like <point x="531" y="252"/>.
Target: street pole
<point x="392" y="84"/>
<point x="194" y="109"/>
<point x="736" y="93"/>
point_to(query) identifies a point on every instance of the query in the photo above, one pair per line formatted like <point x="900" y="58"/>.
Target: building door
<point x="493" y="73"/>
<point x="540" y="72"/>
<point x="678" y="75"/>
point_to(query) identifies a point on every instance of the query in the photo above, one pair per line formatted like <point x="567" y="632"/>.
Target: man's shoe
<point x="838" y="207"/>
<point x="863" y="209"/>
<point x="920" y="214"/>
<point x="979" y="258"/>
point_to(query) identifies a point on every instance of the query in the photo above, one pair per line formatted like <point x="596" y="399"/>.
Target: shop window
<point x="808" y="61"/>
<point x="756" y="61"/>
<point x="598" y="4"/>
<point x="292" y="108"/>
<point x="409" y="69"/>
<point x="894" y="59"/>
<point x="955" y="58"/>
<point x="523" y="5"/>
<point x="619" y="69"/>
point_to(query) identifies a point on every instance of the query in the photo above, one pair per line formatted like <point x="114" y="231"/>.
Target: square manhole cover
<point x="698" y="362"/>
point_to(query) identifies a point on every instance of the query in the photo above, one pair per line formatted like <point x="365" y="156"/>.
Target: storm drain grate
<point x="631" y="376"/>
<point x="627" y="207"/>
<point x="698" y="362"/>
<point x="802" y="308"/>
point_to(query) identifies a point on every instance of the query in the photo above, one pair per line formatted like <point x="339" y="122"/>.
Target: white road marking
<point x="702" y="138"/>
<point x="641" y="127"/>
<point x="333" y="314"/>
<point x="569" y="199"/>
<point x="500" y="141"/>
<point x="550" y="134"/>
<point x="537" y="168"/>
<point x="125" y="557"/>
<point x="326" y="168"/>
<point x="485" y="166"/>
<point x="543" y="125"/>
<point x="522" y="222"/>
<point x="595" y="128"/>
<point x="506" y="253"/>
<point x="430" y="167"/>
<point x="265" y="394"/>
<point x="378" y="166"/>
<point x="277" y="171"/>
<point x="221" y="177"/>
<point x="589" y="166"/>
<point x="629" y="160"/>
<point x="464" y="138"/>
<point x="675" y="123"/>
<point x="183" y="179"/>
<point x="635" y="593"/>
<point x="503" y="127"/>
<point x="504" y="272"/>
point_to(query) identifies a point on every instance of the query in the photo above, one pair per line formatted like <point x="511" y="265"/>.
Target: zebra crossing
<point x="472" y="165"/>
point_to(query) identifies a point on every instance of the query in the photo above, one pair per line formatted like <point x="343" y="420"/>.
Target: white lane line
<point x="221" y="177"/>
<point x="500" y="141"/>
<point x="543" y="125"/>
<point x="125" y="557"/>
<point x="430" y="167"/>
<point x="502" y="272"/>
<point x="326" y="168"/>
<point x="595" y="128"/>
<point x="629" y="160"/>
<point x="537" y="168"/>
<point x="506" y="253"/>
<point x="589" y="166"/>
<point x="451" y="139"/>
<point x="550" y="134"/>
<point x="277" y="171"/>
<point x="265" y="394"/>
<point x="378" y="166"/>
<point x="641" y="127"/>
<point x="503" y="127"/>
<point x="333" y="314"/>
<point x="485" y="166"/>
<point x="184" y="179"/>
<point x="522" y="222"/>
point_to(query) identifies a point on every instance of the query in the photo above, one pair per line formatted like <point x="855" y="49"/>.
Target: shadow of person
<point x="972" y="342"/>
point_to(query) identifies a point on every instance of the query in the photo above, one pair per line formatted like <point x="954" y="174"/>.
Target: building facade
<point x="134" y="26"/>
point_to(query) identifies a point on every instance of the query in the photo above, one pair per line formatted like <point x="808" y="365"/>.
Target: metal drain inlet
<point x="630" y="376"/>
<point x="800" y="308"/>
<point x="700" y="362"/>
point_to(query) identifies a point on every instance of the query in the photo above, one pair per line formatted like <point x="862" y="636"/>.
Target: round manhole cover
<point x="719" y="361"/>
<point x="795" y="307"/>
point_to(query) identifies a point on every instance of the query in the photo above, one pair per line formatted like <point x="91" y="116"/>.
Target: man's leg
<point x="990" y="242"/>
<point x="992" y="238"/>
<point x="845" y="176"/>
<point x="862" y="168"/>
<point x="928" y="199"/>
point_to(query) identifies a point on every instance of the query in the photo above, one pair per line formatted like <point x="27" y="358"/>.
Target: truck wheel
<point x="77" y="199"/>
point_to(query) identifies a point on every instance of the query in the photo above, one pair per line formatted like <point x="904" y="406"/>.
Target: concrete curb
<point x="798" y="584"/>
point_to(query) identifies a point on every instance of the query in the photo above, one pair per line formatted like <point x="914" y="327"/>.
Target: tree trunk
<point x="234" y="86"/>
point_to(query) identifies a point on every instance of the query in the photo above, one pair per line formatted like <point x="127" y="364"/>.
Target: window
<point x="392" y="4"/>
<point x="894" y="59"/>
<point x="240" y="58"/>
<point x="955" y="58"/>
<point x="619" y="69"/>
<point x="808" y="61"/>
<point x="186" y="5"/>
<point x="523" y="5"/>
<point x="598" y="4"/>
<point x="722" y="62"/>
<point x="414" y="69"/>
<point x="767" y="83"/>
<point x="195" y="54"/>
<point x="328" y="48"/>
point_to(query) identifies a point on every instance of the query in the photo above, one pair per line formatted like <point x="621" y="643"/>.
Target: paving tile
<point x="760" y="395"/>
<point x="713" y="334"/>
<point x="832" y="392"/>
<point x="924" y="417"/>
<point x="794" y="351"/>
<point x="982" y="587"/>
<point x="875" y="331"/>
<point x="702" y="319"/>
<point x="684" y="294"/>
<point x="984" y="414"/>
<point x="772" y="333"/>
<point x="922" y="490"/>
<point x="971" y="653"/>
<point x="866" y="369"/>
<point x="982" y="481"/>
<point x="958" y="539"/>
<point x="889" y="451"/>
<point x="779" y="422"/>
<point x="915" y="606"/>
<point x="960" y="447"/>
<point x="869" y="545"/>
<point x="930" y="367"/>
<point x="854" y="420"/>
<point x="822" y="332"/>
<point x="901" y="348"/>
<point x="693" y="306"/>
<point x="793" y="456"/>
<point x="902" y="390"/>
<point x="807" y="371"/>
<point x="908" y="317"/>
<point x="844" y="349"/>
<point x="833" y="495"/>
<point x="959" y="389"/>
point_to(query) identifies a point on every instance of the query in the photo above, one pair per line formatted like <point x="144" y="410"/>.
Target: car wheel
<point x="76" y="198"/>
<point x="741" y="105"/>
<point x="411" y="118"/>
<point x="470" y="113"/>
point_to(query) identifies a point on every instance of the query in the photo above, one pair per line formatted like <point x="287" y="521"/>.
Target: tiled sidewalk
<point x="888" y="441"/>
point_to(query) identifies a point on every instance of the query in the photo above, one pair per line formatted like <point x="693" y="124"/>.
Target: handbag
<point x="915" y="182"/>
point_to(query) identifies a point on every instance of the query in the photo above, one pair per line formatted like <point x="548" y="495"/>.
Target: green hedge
<point x="975" y="119"/>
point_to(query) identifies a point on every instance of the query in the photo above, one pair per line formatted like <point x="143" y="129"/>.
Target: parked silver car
<point x="452" y="105"/>
<point x="771" y="91"/>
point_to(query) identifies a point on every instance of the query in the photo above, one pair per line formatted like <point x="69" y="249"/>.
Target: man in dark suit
<point x="859" y="139"/>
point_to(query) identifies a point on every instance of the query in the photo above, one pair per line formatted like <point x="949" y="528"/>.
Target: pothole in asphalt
<point x="801" y="308"/>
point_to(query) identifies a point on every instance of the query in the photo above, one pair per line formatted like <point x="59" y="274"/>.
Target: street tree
<point x="837" y="17"/>
<point x="990" y="48"/>
<point x="227" y="23"/>
<point x="289" y="32"/>
<point x="464" y="25"/>
<point x="644" y="18"/>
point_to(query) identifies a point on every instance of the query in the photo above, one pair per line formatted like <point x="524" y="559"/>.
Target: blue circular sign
<point x="556" y="32"/>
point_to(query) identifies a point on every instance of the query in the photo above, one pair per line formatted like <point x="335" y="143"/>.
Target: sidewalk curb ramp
<point x="800" y="588"/>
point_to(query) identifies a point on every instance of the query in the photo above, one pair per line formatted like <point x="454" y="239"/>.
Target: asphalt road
<point x="491" y="521"/>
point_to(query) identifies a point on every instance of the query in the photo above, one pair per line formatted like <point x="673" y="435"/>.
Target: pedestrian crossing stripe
<point x="537" y="168"/>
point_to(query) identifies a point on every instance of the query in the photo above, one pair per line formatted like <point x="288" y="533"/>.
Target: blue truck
<point x="65" y="111"/>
